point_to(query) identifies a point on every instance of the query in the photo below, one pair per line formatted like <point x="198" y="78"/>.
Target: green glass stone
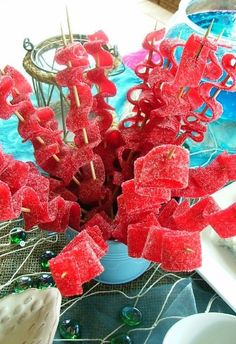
<point x="45" y="257"/>
<point x="18" y="237"/>
<point x="131" y="316"/>
<point x="23" y="283"/>
<point x="69" y="329"/>
<point x="121" y="339"/>
<point x="45" y="281"/>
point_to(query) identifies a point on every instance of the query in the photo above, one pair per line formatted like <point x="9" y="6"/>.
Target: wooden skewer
<point x="77" y="100"/>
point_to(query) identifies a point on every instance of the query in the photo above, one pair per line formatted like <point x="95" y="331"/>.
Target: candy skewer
<point x="75" y="92"/>
<point x="38" y="138"/>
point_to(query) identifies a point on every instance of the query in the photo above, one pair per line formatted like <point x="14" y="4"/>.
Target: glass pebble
<point x="45" y="281"/>
<point x="45" y="257"/>
<point x="23" y="283"/>
<point x="121" y="339"/>
<point x="131" y="316"/>
<point x="18" y="237"/>
<point x="69" y="329"/>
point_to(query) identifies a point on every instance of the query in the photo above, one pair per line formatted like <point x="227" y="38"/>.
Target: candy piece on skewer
<point x="158" y="170"/>
<point x="153" y="246"/>
<point x="135" y="202"/>
<point x="65" y="272"/>
<point x="77" y="100"/>
<point x="196" y="218"/>
<point x="181" y="251"/>
<point x="223" y="222"/>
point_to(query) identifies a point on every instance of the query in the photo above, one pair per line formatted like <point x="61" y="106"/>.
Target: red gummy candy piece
<point x="96" y="235"/>
<point x="21" y="85"/>
<point x="204" y="181"/>
<point x="165" y="216"/>
<point x="196" y="218"/>
<point x="6" y="109"/>
<point x="15" y="175"/>
<point x="136" y="202"/>
<point x="98" y="77"/>
<point x="65" y="273"/>
<point x="73" y="53"/>
<point x="224" y="221"/>
<point x="84" y="237"/>
<point x="137" y="235"/>
<point x="181" y="251"/>
<point x="87" y="261"/>
<point x="6" y="210"/>
<point x="102" y="57"/>
<point x="142" y="189"/>
<point x="153" y="246"/>
<point x="165" y="166"/>
<point x="104" y="226"/>
<point x="192" y="66"/>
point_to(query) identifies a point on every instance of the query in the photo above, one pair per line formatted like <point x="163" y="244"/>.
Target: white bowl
<point x="203" y="328"/>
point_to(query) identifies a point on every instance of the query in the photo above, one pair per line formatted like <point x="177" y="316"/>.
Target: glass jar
<point x="196" y="16"/>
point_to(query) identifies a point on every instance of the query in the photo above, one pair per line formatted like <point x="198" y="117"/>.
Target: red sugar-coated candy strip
<point x="167" y="49"/>
<point x="6" y="210"/>
<point x="212" y="104"/>
<point x="151" y="38"/>
<point x="65" y="273"/>
<point x="77" y="117"/>
<point x="166" y="166"/>
<point x="147" y="190"/>
<point x="196" y="217"/>
<point x="87" y="261"/>
<point x="43" y="153"/>
<point x="97" y="236"/>
<point x="73" y="52"/>
<point x="15" y="175"/>
<point x="161" y="130"/>
<point x="47" y="118"/>
<point x="136" y="202"/>
<point x="137" y="235"/>
<point x="181" y="251"/>
<point x="224" y="222"/>
<point x="27" y="197"/>
<point x="6" y="109"/>
<point x="21" y="85"/>
<point x="102" y="57"/>
<point x="191" y="67"/>
<point x="57" y="187"/>
<point x="229" y="163"/>
<point x="98" y="77"/>
<point x="93" y="134"/>
<point x="104" y="226"/>
<point x="70" y="76"/>
<point x="90" y="191"/>
<point x="99" y="36"/>
<point x="157" y="76"/>
<point x="228" y="63"/>
<point x="71" y="159"/>
<point x="113" y="137"/>
<point x="213" y="70"/>
<point x="165" y="216"/>
<point x="99" y="167"/>
<point x="84" y="237"/>
<point x="204" y="181"/>
<point x="38" y="183"/>
<point x="153" y="246"/>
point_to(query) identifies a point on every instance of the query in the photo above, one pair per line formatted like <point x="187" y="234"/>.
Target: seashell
<point x="30" y="317"/>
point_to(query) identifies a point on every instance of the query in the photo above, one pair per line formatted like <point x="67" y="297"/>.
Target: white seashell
<point x="30" y="317"/>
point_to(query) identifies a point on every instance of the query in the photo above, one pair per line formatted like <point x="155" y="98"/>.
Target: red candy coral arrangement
<point x="127" y="181"/>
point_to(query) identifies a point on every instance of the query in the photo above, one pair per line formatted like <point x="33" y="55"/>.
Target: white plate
<point x="219" y="264"/>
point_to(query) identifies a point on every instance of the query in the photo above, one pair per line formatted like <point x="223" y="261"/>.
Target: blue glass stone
<point x="121" y="339"/>
<point x="23" y="283"/>
<point x="45" y="281"/>
<point x="131" y="316"/>
<point x="69" y="329"/>
<point x="45" y="257"/>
